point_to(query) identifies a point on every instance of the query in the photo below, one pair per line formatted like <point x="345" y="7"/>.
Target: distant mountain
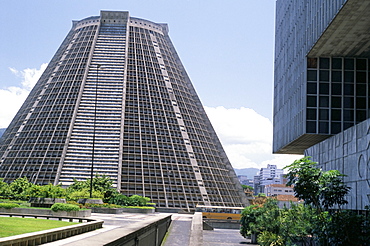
<point x="249" y="172"/>
<point x="2" y="130"/>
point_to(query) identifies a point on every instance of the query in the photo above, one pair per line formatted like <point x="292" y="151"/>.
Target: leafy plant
<point x="74" y="195"/>
<point x="322" y="190"/>
<point x="50" y="191"/>
<point x="136" y="200"/>
<point x="64" y="207"/>
<point x="19" y="188"/>
<point x="4" y="188"/>
<point x="9" y="205"/>
<point x="119" y="199"/>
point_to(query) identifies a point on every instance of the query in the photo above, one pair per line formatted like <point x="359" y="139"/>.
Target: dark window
<point x="336" y="76"/>
<point x="311" y="114"/>
<point x="311" y="126"/>
<point x="348" y="64"/>
<point x="348" y="102"/>
<point x="336" y="89"/>
<point x="311" y="101"/>
<point x="323" y="127"/>
<point x="360" y="115"/>
<point x="349" y="76"/>
<point x="361" y="77"/>
<point x="347" y="125"/>
<point x="361" y="102"/>
<point x="312" y="62"/>
<point x="323" y="101"/>
<point x="361" y="90"/>
<point x="324" y="63"/>
<point x="324" y="75"/>
<point x="336" y="63"/>
<point x="311" y="75"/>
<point x="324" y="114"/>
<point x="336" y="115"/>
<point x="335" y="127"/>
<point x="348" y="115"/>
<point x="324" y="88"/>
<point x="361" y="64"/>
<point x="311" y="88"/>
<point x="336" y="102"/>
<point x="348" y="89"/>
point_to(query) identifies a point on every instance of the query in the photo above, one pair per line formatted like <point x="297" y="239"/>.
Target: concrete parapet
<point x="45" y="202"/>
<point x="222" y="224"/>
<point x="41" y="237"/>
<point x="149" y="232"/>
<point x="196" y="234"/>
<point x="35" y="212"/>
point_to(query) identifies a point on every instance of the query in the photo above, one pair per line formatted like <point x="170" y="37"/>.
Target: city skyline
<point x="226" y="57"/>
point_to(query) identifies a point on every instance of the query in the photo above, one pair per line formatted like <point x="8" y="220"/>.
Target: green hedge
<point x="64" y="207"/>
<point x="9" y="205"/>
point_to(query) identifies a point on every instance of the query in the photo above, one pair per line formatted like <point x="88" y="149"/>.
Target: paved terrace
<point x="184" y="230"/>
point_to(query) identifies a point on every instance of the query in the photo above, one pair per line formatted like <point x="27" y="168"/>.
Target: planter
<point x="107" y="210"/>
<point x="45" y="202"/>
<point x="90" y="200"/>
<point x="35" y="211"/>
<point x="138" y="210"/>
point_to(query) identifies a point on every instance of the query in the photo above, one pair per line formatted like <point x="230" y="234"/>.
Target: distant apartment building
<point x="244" y="180"/>
<point x="278" y="189"/>
<point x="266" y="176"/>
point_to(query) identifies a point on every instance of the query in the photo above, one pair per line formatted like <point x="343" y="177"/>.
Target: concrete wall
<point x="149" y="232"/>
<point x="348" y="152"/>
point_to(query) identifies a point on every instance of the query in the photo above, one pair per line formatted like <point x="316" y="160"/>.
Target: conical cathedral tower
<point x="116" y="100"/>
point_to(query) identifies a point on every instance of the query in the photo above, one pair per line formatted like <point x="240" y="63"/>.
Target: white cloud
<point x="246" y="137"/>
<point x="12" y="97"/>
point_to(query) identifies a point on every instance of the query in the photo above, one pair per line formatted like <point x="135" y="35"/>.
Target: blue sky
<point x="227" y="48"/>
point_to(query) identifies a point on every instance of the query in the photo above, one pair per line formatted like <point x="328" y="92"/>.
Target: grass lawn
<point x="10" y="226"/>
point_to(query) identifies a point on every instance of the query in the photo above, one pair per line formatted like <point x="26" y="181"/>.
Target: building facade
<point x="321" y="88"/>
<point x="115" y="100"/>
<point x="267" y="176"/>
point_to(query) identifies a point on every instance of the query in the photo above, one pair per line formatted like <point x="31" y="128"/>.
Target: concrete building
<point x="244" y="180"/>
<point x="278" y="189"/>
<point x="115" y="100"/>
<point x="266" y="176"/>
<point x="321" y="90"/>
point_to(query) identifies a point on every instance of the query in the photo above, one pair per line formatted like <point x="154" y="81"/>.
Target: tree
<point x="19" y="188"/>
<point x="4" y="189"/>
<point x="247" y="187"/>
<point x="102" y="188"/>
<point x="325" y="191"/>
<point x="275" y="226"/>
<point x="322" y="190"/>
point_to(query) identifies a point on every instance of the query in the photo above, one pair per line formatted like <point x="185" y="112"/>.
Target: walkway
<point x="179" y="231"/>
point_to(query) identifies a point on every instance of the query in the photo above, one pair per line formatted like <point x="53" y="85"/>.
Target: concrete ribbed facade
<point x="116" y="88"/>
<point x="322" y="87"/>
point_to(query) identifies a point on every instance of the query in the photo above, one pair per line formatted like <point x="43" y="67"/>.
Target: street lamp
<point x="93" y="139"/>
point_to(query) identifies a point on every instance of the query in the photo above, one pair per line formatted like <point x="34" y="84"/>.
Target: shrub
<point x="4" y="188"/>
<point x="9" y="205"/>
<point x="136" y="200"/>
<point x="104" y="205"/>
<point x="84" y="193"/>
<point x="64" y="207"/>
<point x="19" y="188"/>
<point x="76" y="203"/>
<point x="138" y="207"/>
<point x="119" y="199"/>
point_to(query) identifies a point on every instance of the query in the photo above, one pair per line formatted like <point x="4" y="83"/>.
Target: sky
<point x="226" y="47"/>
